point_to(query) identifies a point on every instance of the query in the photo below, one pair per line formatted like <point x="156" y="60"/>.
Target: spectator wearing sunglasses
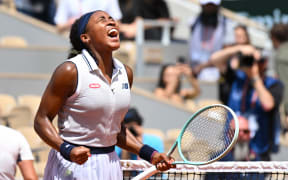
<point x="241" y="151"/>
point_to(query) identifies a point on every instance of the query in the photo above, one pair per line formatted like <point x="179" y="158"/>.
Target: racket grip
<point x="146" y="174"/>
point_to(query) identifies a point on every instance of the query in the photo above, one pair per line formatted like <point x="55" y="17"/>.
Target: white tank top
<point x="92" y="116"/>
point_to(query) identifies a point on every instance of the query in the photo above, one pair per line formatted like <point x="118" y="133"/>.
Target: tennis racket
<point x="205" y="138"/>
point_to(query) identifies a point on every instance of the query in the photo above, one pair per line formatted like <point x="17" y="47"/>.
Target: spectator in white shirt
<point x="15" y="150"/>
<point x="210" y="31"/>
<point x="70" y="10"/>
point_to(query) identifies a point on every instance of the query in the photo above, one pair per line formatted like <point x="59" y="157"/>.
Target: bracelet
<point x="65" y="150"/>
<point x="146" y="152"/>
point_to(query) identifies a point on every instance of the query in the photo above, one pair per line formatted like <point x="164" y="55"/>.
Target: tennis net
<point x="252" y="170"/>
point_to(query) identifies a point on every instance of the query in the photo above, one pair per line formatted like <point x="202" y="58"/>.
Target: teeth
<point x="113" y="32"/>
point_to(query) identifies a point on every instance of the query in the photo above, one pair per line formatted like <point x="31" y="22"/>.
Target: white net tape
<point x="235" y="166"/>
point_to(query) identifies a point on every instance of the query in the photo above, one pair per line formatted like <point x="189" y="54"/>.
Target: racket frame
<point x="178" y="140"/>
<point x="153" y="170"/>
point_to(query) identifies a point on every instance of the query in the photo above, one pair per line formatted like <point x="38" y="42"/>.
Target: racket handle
<point x="146" y="174"/>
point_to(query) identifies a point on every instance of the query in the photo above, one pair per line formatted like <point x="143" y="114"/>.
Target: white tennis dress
<point x="92" y="117"/>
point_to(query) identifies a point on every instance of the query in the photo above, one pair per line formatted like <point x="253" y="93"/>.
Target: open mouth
<point x="113" y="33"/>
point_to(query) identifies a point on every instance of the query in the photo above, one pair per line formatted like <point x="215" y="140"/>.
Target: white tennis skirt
<point x="97" y="167"/>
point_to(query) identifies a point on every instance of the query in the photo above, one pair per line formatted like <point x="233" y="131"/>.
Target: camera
<point x="245" y="60"/>
<point x="181" y="60"/>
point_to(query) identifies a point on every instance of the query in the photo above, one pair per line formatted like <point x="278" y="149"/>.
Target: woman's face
<point x="170" y="74"/>
<point x="103" y="32"/>
<point x="241" y="36"/>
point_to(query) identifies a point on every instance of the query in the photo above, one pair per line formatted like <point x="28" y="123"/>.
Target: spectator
<point x="279" y="37"/>
<point x="241" y="151"/>
<point x="69" y="10"/>
<point x="43" y="10"/>
<point x="128" y="26"/>
<point x="255" y="95"/>
<point x="133" y="121"/>
<point x="209" y="32"/>
<point x="134" y="10"/>
<point x="226" y="79"/>
<point x="227" y="70"/>
<point x="169" y="83"/>
<point x="15" y="151"/>
<point x="241" y="35"/>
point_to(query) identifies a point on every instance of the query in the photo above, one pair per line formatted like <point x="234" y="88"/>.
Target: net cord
<point x="228" y="166"/>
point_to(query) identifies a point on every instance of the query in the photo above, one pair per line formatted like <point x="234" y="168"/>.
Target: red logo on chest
<point x="94" y="85"/>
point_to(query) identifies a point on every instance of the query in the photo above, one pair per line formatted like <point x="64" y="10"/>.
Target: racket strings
<point x="208" y="135"/>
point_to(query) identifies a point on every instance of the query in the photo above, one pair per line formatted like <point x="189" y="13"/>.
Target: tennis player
<point x="90" y="92"/>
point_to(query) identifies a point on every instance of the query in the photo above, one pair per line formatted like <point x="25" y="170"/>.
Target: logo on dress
<point x="94" y="85"/>
<point x="125" y="86"/>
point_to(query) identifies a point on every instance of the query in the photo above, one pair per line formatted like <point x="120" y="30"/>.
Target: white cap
<point x="216" y="2"/>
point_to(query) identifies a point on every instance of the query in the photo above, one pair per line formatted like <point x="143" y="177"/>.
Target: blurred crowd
<point x="217" y="53"/>
<point x="62" y="13"/>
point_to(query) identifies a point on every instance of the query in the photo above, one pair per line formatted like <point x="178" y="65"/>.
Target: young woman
<point x="169" y="83"/>
<point x="90" y="92"/>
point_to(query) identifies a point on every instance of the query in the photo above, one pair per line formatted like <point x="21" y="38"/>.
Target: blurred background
<point x="34" y="41"/>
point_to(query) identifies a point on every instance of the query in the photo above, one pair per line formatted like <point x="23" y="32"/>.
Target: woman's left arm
<point x="127" y="141"/>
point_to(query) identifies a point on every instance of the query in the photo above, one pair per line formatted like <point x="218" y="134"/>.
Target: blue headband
<point x="83" y="21"/>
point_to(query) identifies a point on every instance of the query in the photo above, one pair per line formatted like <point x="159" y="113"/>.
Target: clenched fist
<point x="162" y="161"/>
<point x="80" y="154"/>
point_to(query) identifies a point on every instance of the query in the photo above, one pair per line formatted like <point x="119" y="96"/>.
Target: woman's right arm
<point x="62" y="85"/>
